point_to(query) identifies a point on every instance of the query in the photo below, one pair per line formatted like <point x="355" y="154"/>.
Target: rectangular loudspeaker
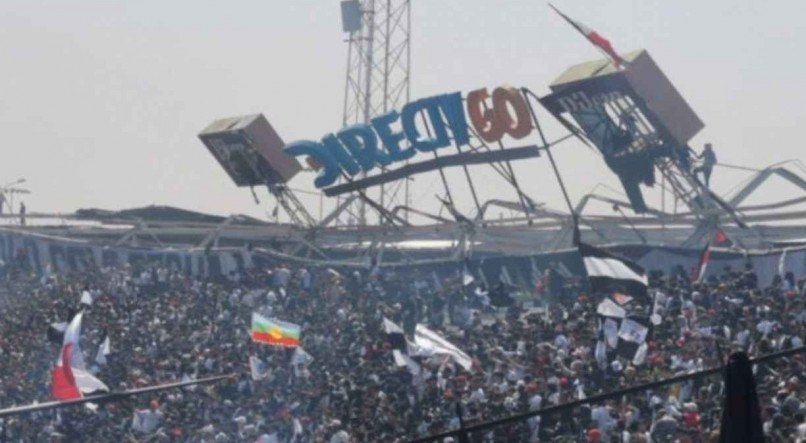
<point x="350" y="15"/>
<point x="250" y="150"/>
<point x="643" y="80"/>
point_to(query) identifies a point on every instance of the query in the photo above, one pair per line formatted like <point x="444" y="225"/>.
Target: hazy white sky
<point x="101" y="101"/>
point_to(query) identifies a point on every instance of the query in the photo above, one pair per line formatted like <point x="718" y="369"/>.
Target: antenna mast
<point x="378" y="68"/>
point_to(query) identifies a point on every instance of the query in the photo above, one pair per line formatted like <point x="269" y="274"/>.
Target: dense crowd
<point x="164" y="325"/>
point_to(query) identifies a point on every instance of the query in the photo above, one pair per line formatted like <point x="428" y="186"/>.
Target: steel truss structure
<point x="377" y="81"/>
<point x="536" y="228"/>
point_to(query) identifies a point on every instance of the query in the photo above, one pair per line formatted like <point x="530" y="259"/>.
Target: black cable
<point x="109" y="397"/>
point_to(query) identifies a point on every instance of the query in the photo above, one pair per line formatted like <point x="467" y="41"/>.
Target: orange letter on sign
<point x="492" y="123"/>
<point x="483" y="119"/>
<point x="522" y="126"/>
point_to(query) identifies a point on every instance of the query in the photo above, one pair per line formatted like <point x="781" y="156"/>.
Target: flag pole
<point x="526" y="93"/>
<point x="573" y="24"/>
<point x="463" y="437"/>
<point x="569" y="21"/>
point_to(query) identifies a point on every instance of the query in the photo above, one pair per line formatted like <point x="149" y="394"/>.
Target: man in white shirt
<point x="561" y="341"/>
<point x="281" y="276"/>
<point x="477" y="396"/>
<point x="340" y="436"/>
<point x="743" y="337"/>
<point x="765" y="327"/>
<point x="601" y="415"/>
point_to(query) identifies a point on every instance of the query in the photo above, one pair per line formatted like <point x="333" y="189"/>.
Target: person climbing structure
<point x="708" y="161"/>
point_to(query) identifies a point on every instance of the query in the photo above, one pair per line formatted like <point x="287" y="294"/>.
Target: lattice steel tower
<point x="378" y="67"/>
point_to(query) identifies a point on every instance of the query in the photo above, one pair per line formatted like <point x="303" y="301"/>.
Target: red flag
<point x="64" y="385"/>
<point x="70" y="379"/>
<point x="702" y="266"/>
<point x="594" y="37"/>
<point x="720" y="239"/>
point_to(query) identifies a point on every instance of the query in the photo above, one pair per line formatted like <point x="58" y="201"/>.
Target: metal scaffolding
<point x="378" y="73"/>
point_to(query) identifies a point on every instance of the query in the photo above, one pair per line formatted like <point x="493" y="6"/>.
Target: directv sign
<point x="363" y="147"/>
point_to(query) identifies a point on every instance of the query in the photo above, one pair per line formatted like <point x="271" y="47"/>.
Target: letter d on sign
<point x="330" y="167"/>
<point x="431" y="107"/>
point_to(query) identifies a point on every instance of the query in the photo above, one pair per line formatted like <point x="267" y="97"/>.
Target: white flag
<point x="87" y="383"/>
<point x="84" y="381"/>
<point x="71" y="336"/>
<point x="103" y="351"/>
<point x="608" y="308"/>
<point x="632" y="331"/>
<point x="611" y="333"/>
<point x="655" y="318"/>
<point x="390" y="327"/>
<point x="403" y="360"/>
<point x="297" y="428"/>
<point x="600" y="353"/>
<point x="145" y="421"/>
<point x="430" y="342"/>
<point x="467" y="277"/>
<point x="400" y="358"/>
<point x="86" y="298"/>
<point x="640" y="355"/>
<point x="782" y="263"/>
<point x="301" y="357"/>
<point x="258" y="368"/>
<point x="581" y="392"/>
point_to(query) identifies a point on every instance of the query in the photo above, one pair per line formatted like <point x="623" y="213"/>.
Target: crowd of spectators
<point x="164" y="325"/>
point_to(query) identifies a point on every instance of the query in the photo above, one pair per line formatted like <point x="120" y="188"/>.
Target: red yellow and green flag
<point x="274" y="332"/>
